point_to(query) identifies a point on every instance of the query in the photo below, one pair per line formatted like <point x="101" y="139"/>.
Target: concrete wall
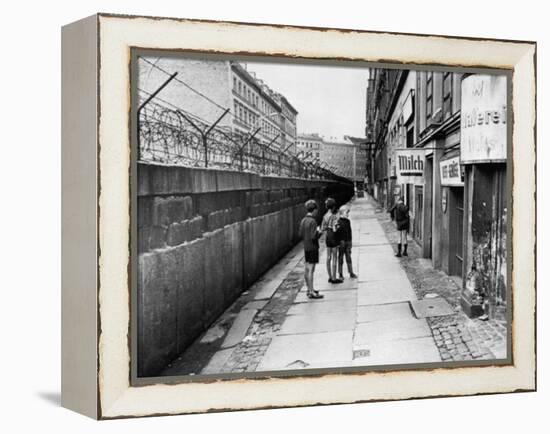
<point x="204" y="236"/>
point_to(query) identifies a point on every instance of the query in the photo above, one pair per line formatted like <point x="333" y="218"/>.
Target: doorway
<point x="456" y="253"/>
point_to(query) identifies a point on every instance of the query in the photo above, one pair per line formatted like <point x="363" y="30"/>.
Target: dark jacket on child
<point x="400" y="213"/>
<point x="343" y="231"/>
<point x="309" y="234"/>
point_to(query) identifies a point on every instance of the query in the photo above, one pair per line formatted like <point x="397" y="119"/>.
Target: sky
<point x="330" y="100"/>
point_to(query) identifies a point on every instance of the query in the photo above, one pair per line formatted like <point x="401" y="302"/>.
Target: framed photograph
<point x="261" y="216"/>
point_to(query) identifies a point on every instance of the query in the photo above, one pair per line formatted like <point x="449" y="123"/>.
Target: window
<point x="447" y="94"/>
<point x="410" y="136"/>
<point x="429" y="94"/>
<point x="239" y="88"/>
<point x="235" y="83"/>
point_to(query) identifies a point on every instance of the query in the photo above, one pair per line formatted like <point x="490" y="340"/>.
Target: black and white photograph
<point x="248" y="217"/>
<point x="294" y="216"/>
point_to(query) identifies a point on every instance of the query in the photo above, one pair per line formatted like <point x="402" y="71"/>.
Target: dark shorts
<point x="345" y="246"/>
<point x="312" y="256"/>
<point x="402" y="225"/>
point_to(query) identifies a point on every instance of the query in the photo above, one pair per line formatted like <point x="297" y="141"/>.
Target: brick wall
<point x="204" y="236"/>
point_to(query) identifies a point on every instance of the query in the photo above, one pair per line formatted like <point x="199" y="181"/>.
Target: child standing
<point x="310" y="233"/>
<point x="330" y="221"/>
<point x="344" y="250"/>
<point x="400" y="213"/>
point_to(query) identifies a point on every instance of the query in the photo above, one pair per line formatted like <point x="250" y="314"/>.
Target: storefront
<point x="410" y="166"/>
<point x="484" y="132"/>
<point x="452" y="213"/>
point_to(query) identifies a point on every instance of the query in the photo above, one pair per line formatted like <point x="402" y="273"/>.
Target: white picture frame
<point x="96" y="315"/>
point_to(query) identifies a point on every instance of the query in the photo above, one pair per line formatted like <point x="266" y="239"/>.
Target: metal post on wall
<point x="269" y="147"/>
<point x="204" y="134"/>
<point x="279" y="157"/>
<point x="240" y="150"/>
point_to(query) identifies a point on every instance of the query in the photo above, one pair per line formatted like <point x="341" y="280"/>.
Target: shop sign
<point x="410" y="165"/>
<point x="452" y="173"/>
<point x="483" y="130"/>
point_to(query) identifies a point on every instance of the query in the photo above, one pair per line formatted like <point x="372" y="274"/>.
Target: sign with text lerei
<point x="452" y="174"/>
<point x="483" y="119"/>
<point x="410" y="165"/>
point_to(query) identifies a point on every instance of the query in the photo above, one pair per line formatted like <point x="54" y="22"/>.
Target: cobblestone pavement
<point x="457" y="336"/>
<point x="246" y="356"/>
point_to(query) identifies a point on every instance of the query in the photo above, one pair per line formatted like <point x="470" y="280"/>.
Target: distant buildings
<point x="439" y="139"/>
<point x="309" y="146"/>
<point x="211" y="86"/>
<point x="344" y="157"/>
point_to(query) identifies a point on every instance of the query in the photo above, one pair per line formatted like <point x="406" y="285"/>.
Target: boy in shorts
<point x="329" y="226"/>
<point x="310" y="233"/>
<point x="344" y="236"/>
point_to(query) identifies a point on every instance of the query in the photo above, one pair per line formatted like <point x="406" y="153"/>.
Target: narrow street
<point x="376" y="319"/>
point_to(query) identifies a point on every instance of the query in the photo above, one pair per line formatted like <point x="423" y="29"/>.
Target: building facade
<point x="206" y="88"/>
<point x="309" y="146"/>
<point x="439" y="141"/>
<point x="341" y="157"/>
<point x="346" y="158"/>
<point x="361" y="150"/>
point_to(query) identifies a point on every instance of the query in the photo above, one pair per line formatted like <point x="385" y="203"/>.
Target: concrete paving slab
<point x="430" y="307"/>
<point x="391" y="330"/>
<point x="382" y="251"/>
<point x="314" y="348"/>
<point x="370" y="276"/>
<point x="323" y="284"/>
<point x="329" y="296"/>
<point x="382" y="270"/>
<point x="418" y="350"/>
<point x="238" y="330"/>
<point x="383" y="312"/>
<point x="257" y="304"/>
<point x="217" y="361"/>
<point x="379" y="258"/>
<point x="341" y="305"/>
<point x="267" y="289"/>
<point x="391" y="283"/>
<point x="382" y="296"/>
<point x="311" y="322"/>
<point x="373" y="240"/>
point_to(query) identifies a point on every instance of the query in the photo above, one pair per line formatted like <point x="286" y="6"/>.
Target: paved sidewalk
<point x="361" y="322"/>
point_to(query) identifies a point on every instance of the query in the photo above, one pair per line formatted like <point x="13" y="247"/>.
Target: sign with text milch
<point x="410" y="165"/>
<point x="451" y="172"/>
<point x="483" y="125"/>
